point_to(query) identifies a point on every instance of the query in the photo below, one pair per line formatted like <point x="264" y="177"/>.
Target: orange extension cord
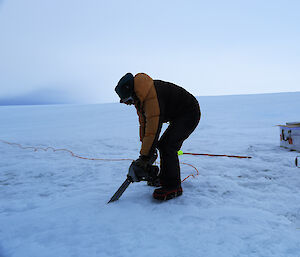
<point x="86" y="158"/>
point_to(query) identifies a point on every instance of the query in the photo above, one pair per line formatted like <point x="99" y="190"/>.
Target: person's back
<point x="173" y="100"/>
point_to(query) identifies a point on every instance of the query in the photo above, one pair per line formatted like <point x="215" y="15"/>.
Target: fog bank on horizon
<point x="84" y="48"/>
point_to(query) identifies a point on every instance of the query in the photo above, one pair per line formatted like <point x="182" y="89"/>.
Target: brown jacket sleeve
<point x="142" y="125"/>
<point x="145" y="91"/>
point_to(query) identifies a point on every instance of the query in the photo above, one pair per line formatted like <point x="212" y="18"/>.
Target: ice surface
<point x="52" y="204"/>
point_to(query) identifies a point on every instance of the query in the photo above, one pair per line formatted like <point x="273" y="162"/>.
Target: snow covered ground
<point x="52" y="204"/>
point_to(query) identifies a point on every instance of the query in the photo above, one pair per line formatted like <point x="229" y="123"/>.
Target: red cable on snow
<point x="218" y="155"/>
<point x="84" y="158"/>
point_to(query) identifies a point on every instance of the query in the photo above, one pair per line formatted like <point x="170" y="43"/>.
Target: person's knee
<point x="166" y="147"/>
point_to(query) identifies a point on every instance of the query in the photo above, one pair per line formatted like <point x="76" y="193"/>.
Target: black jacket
<point x="174" y="101"/>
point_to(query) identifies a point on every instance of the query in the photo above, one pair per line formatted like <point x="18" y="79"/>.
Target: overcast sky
<point x="79" y="50"/>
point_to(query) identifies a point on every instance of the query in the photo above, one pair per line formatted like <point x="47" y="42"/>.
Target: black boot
<point x="166" y="193"/>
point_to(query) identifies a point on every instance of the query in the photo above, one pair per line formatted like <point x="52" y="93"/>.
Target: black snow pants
<point x="170" y="143"/>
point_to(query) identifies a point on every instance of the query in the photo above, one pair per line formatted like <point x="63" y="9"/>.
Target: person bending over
<point x="158" y="102"/>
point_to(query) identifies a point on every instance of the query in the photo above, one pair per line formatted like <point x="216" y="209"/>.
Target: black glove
<point x="136" y="173"/>
<point x="140" y="168"/>
<point x="142" y="162"/>
<point x="145" y="160"/>
<point x="153" y="157"/>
